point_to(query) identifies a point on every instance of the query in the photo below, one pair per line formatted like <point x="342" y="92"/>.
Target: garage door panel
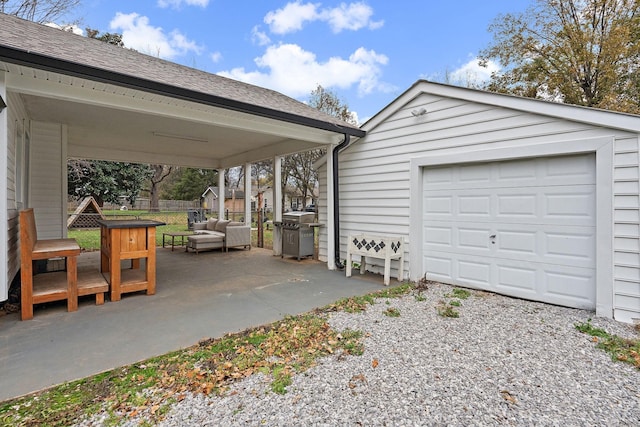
<point x="575" y="205"/>
<point x="474" y="238"/>
<point x="438" y="178"/>
<point x="516" y="278"/>
<point x="518" y="205"/>
<point x="517" y="172"/>
<point x="569" y="285"/>
<point x="476" y="272"/>
<point x="568" y="170"/>
<point x="439" y="205"/>
<point x="473" y="176"/>
<point x="523" y="228"/>
<point x="570" y="247"/>
<point x="438" y="236"/>
<point x="517" y="243"/>
<point x="439" y="267"/>
<point x="473" y="206"/>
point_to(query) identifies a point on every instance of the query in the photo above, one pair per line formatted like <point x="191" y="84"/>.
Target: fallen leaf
<point x="374" y="363"/>
<point x="506" y="395"/>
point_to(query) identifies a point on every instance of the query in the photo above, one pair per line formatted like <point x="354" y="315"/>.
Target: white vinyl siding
<point x="626" y="201"/>
<point x="47" y="187"/>
<point x="375" y="171"/>
<point x="16" y="118"/>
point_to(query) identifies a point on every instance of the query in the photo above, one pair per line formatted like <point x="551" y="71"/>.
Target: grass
<point x="446" y="308"/>
<point x="359" y="304"/>
<point x="620" y="349"/>
<point x="149" y="388"/>
<point x="89" y="239"/>
<point x="391" y="312"/>
<point x="459" y="293"/>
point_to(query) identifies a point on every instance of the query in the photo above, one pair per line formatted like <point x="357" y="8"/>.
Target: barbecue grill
<point x="297" y="234"/>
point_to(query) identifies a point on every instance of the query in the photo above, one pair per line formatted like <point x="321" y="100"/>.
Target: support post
<point x="247" y="193"/>
<point x="277" y="205"/>
<point x="221" y="193"/>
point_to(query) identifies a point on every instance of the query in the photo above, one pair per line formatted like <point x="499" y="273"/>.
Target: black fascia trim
<point x="48" y="63"/>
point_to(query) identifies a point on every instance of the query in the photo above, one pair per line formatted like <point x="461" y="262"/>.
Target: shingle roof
<point x="28" y="43"/>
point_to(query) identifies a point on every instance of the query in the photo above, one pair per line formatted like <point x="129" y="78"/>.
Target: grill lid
<point x="299" y="217"/>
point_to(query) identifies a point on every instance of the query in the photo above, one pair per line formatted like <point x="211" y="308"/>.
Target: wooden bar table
<point x="128" y="239"/>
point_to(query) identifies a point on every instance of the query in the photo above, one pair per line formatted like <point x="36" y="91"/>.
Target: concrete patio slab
<point x="198" y="296"/>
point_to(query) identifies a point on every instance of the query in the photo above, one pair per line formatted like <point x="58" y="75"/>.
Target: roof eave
<point x="48" y="63"/>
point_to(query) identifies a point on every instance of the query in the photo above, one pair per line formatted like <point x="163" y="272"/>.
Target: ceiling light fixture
<point x="420" y="112"/>
<point x="185" y="137"/>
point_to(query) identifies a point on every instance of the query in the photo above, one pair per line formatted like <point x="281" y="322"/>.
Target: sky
<point x="367" y="52"/>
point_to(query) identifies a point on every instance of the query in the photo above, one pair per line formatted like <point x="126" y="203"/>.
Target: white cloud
<point x="177" y="3"/>
<point x="70" y="28"/>
<point x="291" y="17"/>
<point x="138" y="34"/>
<point x="259" y="37"/>
<point x="291" y="70"/>
<point x="216" y="57"/>
<point x="472" y="73"/>
<point x="294" y="15"/>
<point x="352" y="17"/>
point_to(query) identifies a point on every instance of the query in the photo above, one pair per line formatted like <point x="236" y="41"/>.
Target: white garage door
<point x="524" y="228"/>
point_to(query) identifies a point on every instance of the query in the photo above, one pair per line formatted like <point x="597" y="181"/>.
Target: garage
<point x="533" y="199"/>
<point x="524" y="228"/>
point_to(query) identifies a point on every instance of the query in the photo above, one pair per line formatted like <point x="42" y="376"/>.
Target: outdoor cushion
<point x="235" y="224"/>
<point x="221" y="225"/>
<point x="206" y="238"/>
<point x="211" y="223"/>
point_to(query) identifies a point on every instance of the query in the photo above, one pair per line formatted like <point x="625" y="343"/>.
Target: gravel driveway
<point x="504" y="361"/>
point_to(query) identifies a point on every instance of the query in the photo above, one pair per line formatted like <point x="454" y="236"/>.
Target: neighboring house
<point x="295" y="201"/>
<point x="233" y="200"/>
<point x="527" y="198"/>
<point x="69" y="96"/>
<point x="267" y="198"/>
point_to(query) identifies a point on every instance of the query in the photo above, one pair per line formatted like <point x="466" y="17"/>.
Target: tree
<point x="109" y="38"/>
<point x="300" y="172"/>
<point x="41" y="11"/>
<point x="160" y="172"/>
<point x="106" y="181"/>
<point x="328" y="102"/>
<point x="297" y="169"/>
<point x="191" y="183"/>
<point x="583" y="52"/>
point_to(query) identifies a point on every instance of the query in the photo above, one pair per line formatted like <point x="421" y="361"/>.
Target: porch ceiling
<point x="110" y="122"/>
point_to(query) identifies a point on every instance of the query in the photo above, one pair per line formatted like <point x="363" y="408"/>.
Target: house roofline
<point x="578" y="113"/>
<point x="48" y="63"/>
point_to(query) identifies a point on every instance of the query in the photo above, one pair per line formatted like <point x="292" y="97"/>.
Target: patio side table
<point x="182" y="234"/>
<point x="128" y="240"/>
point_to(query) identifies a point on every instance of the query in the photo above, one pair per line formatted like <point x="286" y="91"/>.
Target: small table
<point x="173" y="235"/>
<point x="133" y="240"/>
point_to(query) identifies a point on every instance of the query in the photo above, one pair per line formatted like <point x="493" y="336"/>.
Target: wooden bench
<point x="56" y="286"/>
<point x="382" y="247"/>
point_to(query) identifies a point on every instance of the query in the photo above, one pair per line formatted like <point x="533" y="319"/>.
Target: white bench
<point x="382" y="247"/>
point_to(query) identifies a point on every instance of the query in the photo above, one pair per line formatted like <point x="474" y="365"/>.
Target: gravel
<point x="504" y="361"/>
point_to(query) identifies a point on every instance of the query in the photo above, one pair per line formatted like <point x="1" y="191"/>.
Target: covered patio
<point x="197" y="297"/>
<point x="96" y="101"/>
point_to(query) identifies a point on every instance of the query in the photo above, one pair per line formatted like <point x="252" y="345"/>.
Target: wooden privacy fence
<point x="143" y="204"/>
